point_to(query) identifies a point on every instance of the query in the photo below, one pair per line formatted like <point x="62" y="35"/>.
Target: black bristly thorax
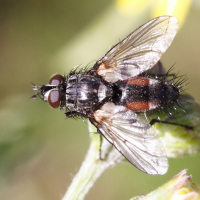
<point x="85" y="93"/>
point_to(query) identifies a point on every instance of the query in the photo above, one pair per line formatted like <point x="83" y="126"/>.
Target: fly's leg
<point x="70" y="114"/>
<point x="100" y="149"/>
<point x="101" y="139"/>
<point x="100" y="143"/>
<point x="74" y="114"/>
<point x="162" y="75"/>
<point x="159" y="72"/>
<point x="153" y="121"/>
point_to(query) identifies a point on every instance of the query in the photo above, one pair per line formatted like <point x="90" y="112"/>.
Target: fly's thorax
<point x="85" y="92"/>
<point x="141" y="94"/>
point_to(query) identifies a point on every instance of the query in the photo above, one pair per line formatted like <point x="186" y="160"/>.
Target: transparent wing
<point x="133" y="137"/>
<point x="139" y="51"/>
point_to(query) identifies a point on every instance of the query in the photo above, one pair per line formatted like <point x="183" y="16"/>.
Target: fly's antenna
<point x="37" y="89"/>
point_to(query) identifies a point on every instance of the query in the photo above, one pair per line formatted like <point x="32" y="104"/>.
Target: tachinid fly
<point x="115" y="93"/>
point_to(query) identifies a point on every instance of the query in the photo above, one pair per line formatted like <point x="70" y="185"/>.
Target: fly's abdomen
<point x="141" y="94"/>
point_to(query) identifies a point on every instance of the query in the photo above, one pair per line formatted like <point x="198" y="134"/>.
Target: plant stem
<point x="92" y="167"/>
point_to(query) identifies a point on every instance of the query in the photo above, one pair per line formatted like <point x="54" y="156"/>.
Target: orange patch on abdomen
<point x="141" y="81"/>
<point x="138" y="106"/>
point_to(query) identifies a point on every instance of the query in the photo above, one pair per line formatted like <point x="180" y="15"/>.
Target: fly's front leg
<point x="101" y="140"/>
<point x="153" y="121"/>
<point x="100" y="144"/>
<point x="74" y="114"/>
<point x="70" y="114"/>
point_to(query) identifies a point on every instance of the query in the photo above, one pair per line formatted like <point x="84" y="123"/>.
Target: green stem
<point x="92" y="167"/>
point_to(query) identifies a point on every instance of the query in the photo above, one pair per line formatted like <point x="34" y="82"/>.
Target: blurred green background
<point x="40" y="151"/>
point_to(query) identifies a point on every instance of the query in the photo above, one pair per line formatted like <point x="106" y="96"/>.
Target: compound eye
<point x="55" y="79"/>
<point x="54" y="98"/>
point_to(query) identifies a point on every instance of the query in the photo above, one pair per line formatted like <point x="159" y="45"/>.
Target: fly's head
<point x="54" y="92"/>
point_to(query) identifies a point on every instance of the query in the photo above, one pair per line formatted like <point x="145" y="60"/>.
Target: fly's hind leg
<point x="153" y="121"/>
<point x="159" y="72"/>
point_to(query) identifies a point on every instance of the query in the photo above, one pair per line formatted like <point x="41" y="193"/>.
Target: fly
<point x="115" y="93"/>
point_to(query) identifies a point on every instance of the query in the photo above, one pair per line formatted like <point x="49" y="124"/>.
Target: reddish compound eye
<point x="54" y="98"/>
<point x="55" y="79"/>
